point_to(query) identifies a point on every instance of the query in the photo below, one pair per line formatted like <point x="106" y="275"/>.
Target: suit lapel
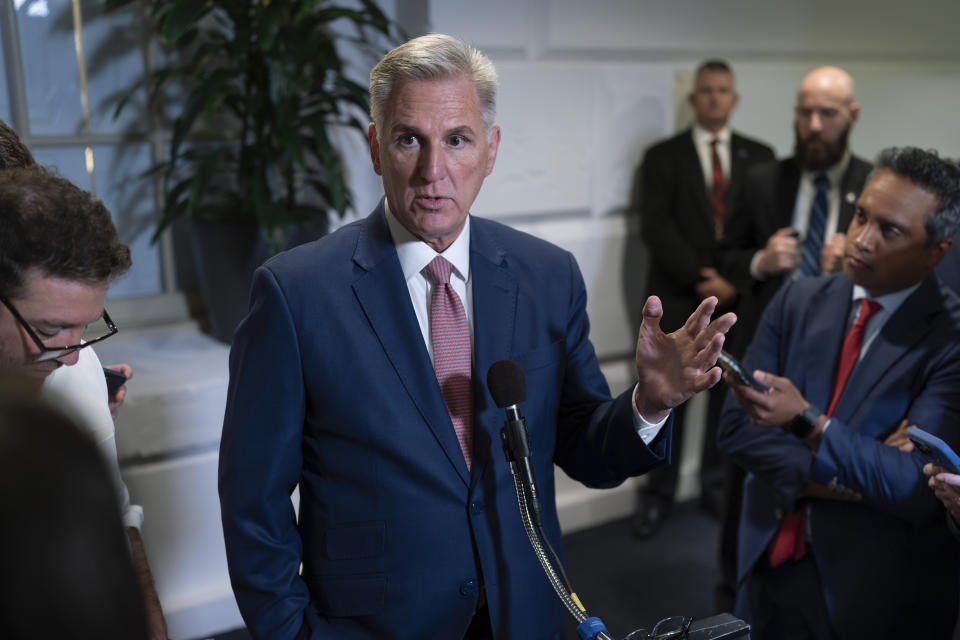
<point x="824" y="340"/>
<point x="850" y="186"/>
<point x="383" y="295"/>
<point x="691" y="168"/>
<point x="908" y="325"/>
<point x="494" y="314"/>
<point x="787" y="193"/>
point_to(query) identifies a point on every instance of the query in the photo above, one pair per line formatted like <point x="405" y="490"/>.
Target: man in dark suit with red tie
<point x="686" y="186"/>
<point x="839" y="535"/>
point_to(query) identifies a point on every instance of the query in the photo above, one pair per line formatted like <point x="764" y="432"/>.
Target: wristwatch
<point x="804" y="422"/>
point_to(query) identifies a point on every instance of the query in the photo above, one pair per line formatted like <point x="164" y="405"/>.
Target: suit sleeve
<point x="779" y="459"/>
<point x="741" y="237"/>
<point x="260" y="462"/>
<point x="659" y="227"/>
<point x="597" y="441"/>
<point x="887" y="478"/>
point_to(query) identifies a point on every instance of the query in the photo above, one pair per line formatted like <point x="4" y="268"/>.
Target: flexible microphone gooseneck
<point x="508" y="387"/>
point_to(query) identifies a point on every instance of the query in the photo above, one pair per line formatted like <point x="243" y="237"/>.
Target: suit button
<point x="476" y="507"/>
<point x="468" y="588"/>
<point x="778" y="512"/>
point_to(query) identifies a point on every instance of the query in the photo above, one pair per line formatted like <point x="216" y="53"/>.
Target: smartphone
<point x="115" y="380"/>
<point x="728" y="363"/>
<point x="935" y="449"/>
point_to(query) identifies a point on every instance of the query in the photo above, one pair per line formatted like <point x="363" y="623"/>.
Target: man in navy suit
<point x="687" y="184"/>
<point x="345" y="379"/>
<point x="839" y="536"/>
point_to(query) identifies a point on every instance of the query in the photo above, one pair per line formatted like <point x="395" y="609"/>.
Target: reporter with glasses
<point x="59" y="252"/>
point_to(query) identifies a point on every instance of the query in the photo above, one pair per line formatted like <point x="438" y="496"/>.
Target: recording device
<point x="115" y="379"/>
<point x="935" y="449"/>
<point x="728" y="363"/>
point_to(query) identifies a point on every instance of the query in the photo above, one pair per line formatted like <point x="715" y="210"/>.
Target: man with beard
<point x="789" y="221"/>
<point x="791" y="214"/>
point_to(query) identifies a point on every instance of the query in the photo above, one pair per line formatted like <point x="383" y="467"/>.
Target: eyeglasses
<point x="52" y="353"/>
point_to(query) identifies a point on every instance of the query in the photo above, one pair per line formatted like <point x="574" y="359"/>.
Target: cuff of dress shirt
<point x="646" y="430"/>
<point x="754" y="272"/>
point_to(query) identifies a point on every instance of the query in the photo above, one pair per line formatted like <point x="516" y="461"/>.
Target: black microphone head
<point x="507" y="384"/>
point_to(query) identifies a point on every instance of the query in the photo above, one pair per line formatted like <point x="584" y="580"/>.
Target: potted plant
<point x="258" y="88"/>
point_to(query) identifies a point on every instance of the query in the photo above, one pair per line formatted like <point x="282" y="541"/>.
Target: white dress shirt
<point x="414" y="255"/>
<point x="806" y="193"/>
<point x="80" y="390"/>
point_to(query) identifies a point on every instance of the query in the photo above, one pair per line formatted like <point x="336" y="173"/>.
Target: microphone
<point x="508" y="387"/>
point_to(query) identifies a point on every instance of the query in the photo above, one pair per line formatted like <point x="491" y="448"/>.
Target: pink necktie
<point x="450" y="336"/>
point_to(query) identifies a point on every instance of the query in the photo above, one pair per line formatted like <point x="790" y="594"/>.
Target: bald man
<point x="788" y="222"/>
<point x="791" y="214"/>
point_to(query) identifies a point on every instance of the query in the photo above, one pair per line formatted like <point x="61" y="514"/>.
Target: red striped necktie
<point x="450" y="337"/>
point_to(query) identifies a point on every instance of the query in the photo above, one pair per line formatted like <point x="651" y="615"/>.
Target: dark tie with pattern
<point x="718" y="191"/>
<point x="810" y="256"/>
<point x="450" y="337"/>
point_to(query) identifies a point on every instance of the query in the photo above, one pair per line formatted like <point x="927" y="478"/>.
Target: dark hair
<point x="67" y="570"/>
<point x="939" y="176"/>
<point x="716" y="65"/>
<point x="47" y="222"/>
<point x="13" y="153"/>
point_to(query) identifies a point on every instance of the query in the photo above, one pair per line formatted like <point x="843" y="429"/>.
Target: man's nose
<point x="69" y="358"/>
<point x="863" y="238"/>
<point x="432" y="163"/>
<point x="816" y="124"/>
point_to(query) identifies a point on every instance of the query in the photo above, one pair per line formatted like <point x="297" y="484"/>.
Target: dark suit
<point x="677" y="226"/>
<point x="765" y="204"/>
<point x="677" y="220"/>
<point x="331" y="387"/>
<point x="886" y="561"/>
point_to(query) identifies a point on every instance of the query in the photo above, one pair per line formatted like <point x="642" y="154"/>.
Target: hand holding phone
<point x="115" y="380"/>
<point x="728" y="363"/>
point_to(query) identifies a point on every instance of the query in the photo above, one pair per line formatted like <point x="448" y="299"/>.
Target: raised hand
<point x="672" y="367"/>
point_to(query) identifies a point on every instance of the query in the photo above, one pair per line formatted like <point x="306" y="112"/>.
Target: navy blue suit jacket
<point x="331" y="387"/>
<point x="887" y="563"/>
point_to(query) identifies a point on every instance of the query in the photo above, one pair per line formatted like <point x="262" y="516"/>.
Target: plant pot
<point x="226" y="256"/>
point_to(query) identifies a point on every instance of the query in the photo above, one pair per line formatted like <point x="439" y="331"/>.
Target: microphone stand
<point x="516" y="446"/>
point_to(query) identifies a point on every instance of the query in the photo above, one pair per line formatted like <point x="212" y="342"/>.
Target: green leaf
<point x="181" y="17"/>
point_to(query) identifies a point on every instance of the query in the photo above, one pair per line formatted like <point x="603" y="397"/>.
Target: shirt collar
<point x="704" y="137"/>
<point x="890" y="301"/>
<point x="415" y="254"/>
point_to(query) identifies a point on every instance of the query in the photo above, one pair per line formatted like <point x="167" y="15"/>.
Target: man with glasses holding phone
<point x="59" y="252"/>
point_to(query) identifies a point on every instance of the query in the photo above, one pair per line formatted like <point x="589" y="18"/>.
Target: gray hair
<point x="433" y="57"/>
<point x="939" y="176"/>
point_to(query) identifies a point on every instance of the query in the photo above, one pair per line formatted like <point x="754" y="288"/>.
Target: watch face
<point x="804" y="423"/>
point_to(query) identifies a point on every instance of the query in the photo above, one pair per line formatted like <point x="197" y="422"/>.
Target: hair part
<point x="48" y="223"/>
<point x="433" y="57"/>
<point x="13" y="153"/>
<point x="939" y="176"/>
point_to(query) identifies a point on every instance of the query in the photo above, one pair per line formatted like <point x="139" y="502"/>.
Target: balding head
<point x="825" y="113"/>
<point x="829" y="81"/>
